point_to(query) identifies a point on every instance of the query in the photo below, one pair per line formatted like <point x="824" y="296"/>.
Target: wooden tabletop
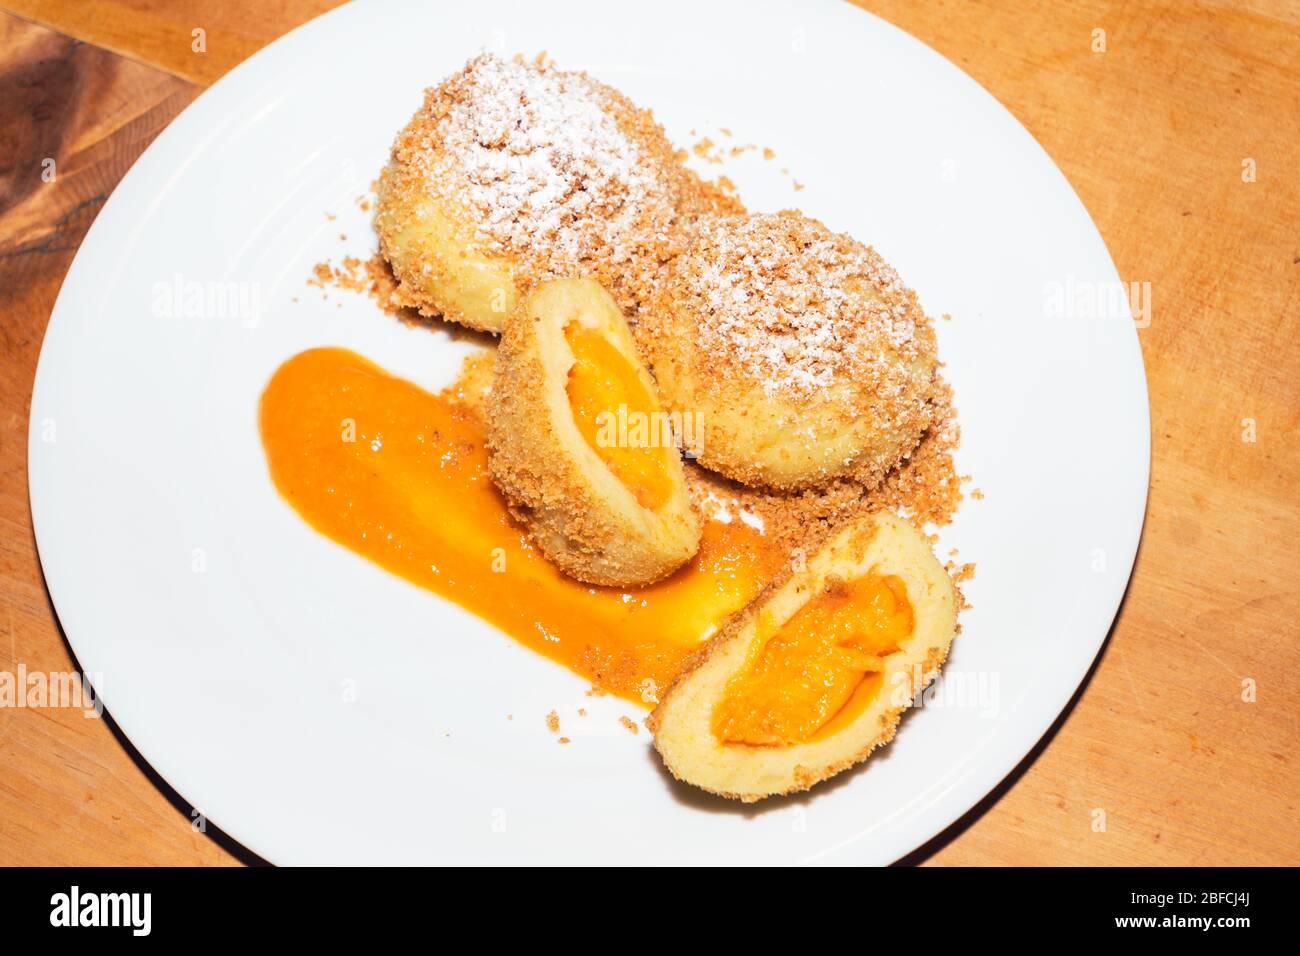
<point x="1177" y="126"/>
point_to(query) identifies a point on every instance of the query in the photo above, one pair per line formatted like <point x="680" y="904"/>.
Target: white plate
<point x="224" y="630"/>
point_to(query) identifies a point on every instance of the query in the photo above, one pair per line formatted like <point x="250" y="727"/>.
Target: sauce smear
<point x="399" y="475"/>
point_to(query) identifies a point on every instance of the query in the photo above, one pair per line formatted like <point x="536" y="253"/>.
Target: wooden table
<point x="1160" y="133"/>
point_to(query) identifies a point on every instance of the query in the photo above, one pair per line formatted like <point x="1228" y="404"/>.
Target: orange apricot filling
<point x="820" y="669"/>
<point x="618" y="416"/>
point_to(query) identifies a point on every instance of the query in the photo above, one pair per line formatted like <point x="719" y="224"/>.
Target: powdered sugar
<point x="539" y="155"/>
<point x="796" y="308"/>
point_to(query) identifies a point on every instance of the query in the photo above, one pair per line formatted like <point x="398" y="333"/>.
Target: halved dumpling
<point x="579" y="445"/>
<point x="814" y="675"/>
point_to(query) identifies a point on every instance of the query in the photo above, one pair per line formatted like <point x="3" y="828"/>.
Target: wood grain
<point x="1153" y="133"/>
<point x="161" y="33"/>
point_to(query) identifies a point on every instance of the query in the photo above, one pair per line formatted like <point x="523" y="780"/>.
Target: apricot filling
<point x="818" y="670"/>
<point x="618" y="416"/>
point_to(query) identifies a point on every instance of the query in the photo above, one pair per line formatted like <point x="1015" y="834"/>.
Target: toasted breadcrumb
<point x="553" y="722"/>
<point x="710" y="152"/>
<point x="960" y="573"/>
<point x="630" y="724"/>
<point x="706" y="150"/>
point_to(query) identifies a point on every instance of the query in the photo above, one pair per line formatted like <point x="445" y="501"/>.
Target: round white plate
<point x="320" y="710"/>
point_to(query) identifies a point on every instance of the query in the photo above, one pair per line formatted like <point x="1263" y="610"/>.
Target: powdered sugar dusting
<point x="560" y="173"/>
<point x="546" y="173"/>
<point x="545" y="161"/>
<point x="795" y="307"/>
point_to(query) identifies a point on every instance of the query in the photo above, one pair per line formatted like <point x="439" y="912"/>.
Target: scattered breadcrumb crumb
<point x="553" y="722"/>
<point x="706" y="150"/>
<point x="710" y="152"/>
<point x="375" y="278"/>
<point x="564" y="740"/>
<point x="960" y="573"/>
<point x="630" y="724"/>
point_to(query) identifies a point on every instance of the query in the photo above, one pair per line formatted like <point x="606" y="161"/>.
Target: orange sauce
<point x="820" y="669"/>
<point x="601" y="381"/>
<point x="399" y="475"/>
